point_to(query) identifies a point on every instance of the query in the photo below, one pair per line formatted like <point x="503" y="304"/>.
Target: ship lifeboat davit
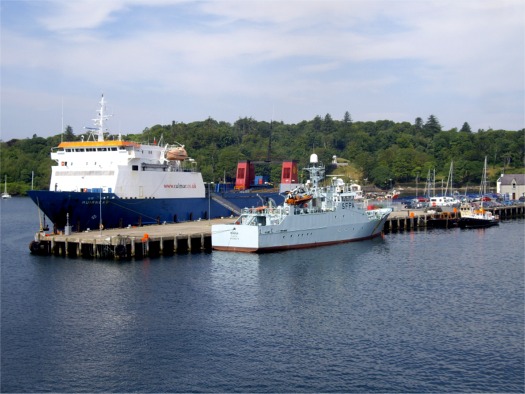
<point x="177" y="153"/>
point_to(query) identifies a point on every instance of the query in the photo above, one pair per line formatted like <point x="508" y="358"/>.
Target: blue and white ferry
<point x="112" y="183"/>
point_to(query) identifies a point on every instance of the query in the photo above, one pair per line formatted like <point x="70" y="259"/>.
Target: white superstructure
<point x="312" y="215"/>
<point x="128" y="169"/>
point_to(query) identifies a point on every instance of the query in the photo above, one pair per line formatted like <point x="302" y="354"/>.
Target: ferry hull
<point x="84" y="209"/>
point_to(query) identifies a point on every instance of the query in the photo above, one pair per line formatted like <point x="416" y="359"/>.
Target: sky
<point x="159" y="61"/>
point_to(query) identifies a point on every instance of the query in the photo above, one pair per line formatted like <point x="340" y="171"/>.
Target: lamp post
<point x="100" y="212"/>
<point x="209" y="200"/>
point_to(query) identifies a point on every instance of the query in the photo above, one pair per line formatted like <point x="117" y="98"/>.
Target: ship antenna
<point x="99" y="122"/>
<point x="62" y="129"/>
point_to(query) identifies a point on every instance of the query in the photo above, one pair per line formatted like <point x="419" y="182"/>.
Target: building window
<point x="135" y="168"/>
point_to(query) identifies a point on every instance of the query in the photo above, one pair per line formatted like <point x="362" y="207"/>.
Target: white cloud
<point x="79" y="14"/>
<point x="301" y="54"/>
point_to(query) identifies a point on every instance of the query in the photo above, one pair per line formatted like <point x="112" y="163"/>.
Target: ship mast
<point x="316" y="170"/>
<point x="99" y="122"/>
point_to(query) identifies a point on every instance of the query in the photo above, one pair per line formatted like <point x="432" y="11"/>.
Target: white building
<point x="512" y="185"/>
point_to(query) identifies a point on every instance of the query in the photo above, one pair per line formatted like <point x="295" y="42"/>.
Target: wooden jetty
<point x="188" y="237"/>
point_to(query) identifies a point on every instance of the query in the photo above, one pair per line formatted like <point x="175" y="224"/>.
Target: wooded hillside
<point x="382" y="151"/>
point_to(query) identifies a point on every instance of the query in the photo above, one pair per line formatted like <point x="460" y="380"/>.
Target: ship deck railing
<point x="275" y="215"/>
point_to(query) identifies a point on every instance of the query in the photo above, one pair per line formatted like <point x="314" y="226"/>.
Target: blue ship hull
<point x="83" y="210"/>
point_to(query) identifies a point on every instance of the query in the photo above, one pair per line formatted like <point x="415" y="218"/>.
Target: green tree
<point x="347" y="120"/>
<point x="418" y="124"/>
<point x="432" y="126"/>
<point x="465" y="128"/>
<point x="328" y="124"/>
<point x="68" y="134"/>
<point x="317" y="124"/>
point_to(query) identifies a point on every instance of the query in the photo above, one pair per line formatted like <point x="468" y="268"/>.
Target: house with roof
<point x="512" y="185"/>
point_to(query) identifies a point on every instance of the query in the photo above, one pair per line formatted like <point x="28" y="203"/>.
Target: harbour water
<point x="422" y="311"/>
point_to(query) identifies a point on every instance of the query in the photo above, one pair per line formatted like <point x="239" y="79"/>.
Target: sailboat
<point x="5" y="194"/>
<point x="470" y="217"/>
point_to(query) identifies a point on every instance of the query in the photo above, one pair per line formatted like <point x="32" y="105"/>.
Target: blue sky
<point x="158" y="61"/>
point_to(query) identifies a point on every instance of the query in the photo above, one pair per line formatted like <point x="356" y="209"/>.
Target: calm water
<point x="414" y="312"/>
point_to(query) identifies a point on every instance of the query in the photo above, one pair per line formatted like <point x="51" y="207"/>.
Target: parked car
<point x="417" y="203"/>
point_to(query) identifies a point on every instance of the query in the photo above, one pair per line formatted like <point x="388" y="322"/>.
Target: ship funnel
<point x="313" y="158"/>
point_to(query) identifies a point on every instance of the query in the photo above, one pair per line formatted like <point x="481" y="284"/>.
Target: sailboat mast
<point x="451" y="177"/>
<point x="483" y="185"/>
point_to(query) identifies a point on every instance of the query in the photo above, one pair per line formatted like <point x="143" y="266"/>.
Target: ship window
<point x="68" y="150"/>
<point x="135" y="168"/>
<point x="102" y="149"/>
<point x="113" y="149"/>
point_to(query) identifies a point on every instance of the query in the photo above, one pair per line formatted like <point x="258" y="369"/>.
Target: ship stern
<point x="235" y="238"/>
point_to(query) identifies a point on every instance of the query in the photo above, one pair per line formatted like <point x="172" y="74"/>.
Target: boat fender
<point x="101" y="227"/>
<point x="34" y="247"/>
<point x="120" y="251"/>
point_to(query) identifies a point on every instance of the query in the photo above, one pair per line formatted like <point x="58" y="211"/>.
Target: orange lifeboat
<point x="177" y="153"/>
<point x="298" y="200"/>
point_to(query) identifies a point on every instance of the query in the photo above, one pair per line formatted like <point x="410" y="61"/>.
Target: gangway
<point x="225" y="203"/>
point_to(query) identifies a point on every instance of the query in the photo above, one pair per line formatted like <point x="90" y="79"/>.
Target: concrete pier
<point x="127" y="243"/>
<point x="189" y="237"/>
